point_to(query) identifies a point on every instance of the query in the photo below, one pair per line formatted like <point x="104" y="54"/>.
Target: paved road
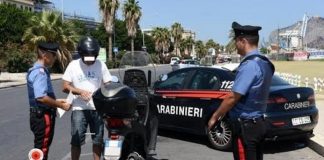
<point x="16" y="138"/>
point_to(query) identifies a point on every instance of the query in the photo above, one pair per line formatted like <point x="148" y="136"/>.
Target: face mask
<point x="89" y="58"/>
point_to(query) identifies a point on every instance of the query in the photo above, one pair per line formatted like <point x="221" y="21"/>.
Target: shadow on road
<point x="270" y="147"/>
<point x="203" y="140"/>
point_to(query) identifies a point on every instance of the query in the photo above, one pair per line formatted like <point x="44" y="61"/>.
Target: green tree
<point x="132" y="13"/>
<point x="200" y="49"/>
<point x="212" y="44"/>
<point x="108" y="9"/>
<point x="80" y="27"/>
<point x="48" y="26"/>
<point x="13" y="23"/>
<point x="121" y="40"/>
<point x="176" y="32"/>
<point x="230" y="47"/>
<point x="264" y="50"/>
<point x="162" y="40"/>
<point x="189" y="42"/>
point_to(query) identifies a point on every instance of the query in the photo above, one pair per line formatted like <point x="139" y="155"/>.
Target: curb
<point x="21" y="84"/>
<point x="315" y="144"/>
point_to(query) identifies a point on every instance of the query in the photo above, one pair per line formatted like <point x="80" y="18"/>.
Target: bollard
<point x="306" y="82"/>
<point x="320" y="83"/>
<point x="299" y="80"/>
<point x="315" y="83"/>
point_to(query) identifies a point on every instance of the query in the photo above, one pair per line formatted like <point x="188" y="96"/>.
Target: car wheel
<point x="220" y="137"/>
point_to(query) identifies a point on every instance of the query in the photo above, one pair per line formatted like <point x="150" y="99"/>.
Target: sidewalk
<point x="16" y="79"/>
<point x="316" y="143"/>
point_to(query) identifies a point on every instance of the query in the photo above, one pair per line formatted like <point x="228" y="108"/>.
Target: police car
<point x="186" y="98"/>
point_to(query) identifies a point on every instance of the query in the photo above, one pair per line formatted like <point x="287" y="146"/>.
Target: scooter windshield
<point x="135" y="61"/>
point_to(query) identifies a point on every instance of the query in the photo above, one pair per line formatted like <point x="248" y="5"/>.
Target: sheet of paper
<point x="70" y="98"/>
<point x="60" y="112"/>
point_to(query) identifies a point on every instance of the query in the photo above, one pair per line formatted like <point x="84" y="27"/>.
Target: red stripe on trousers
<point x="241" y="150"/>
<point x="47" y="119"/>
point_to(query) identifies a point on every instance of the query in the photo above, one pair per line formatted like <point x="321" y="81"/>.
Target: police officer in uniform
<point x="248" y="100"/>
<point x="41" y="97"/>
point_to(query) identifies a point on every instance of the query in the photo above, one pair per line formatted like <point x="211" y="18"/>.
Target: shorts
<point x="80" y="120"/>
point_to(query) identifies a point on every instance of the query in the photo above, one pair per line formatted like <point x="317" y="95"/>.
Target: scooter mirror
<point x="163" y="77"/>
<point x="114" y="79"/>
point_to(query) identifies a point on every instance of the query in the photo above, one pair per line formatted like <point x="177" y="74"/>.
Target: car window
<point x="204" y="80"/>
<point x="277" y="81"/>
<point x="175" y="81"/>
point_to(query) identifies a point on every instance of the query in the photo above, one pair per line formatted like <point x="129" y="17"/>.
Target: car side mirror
<point x="114" y="79"/>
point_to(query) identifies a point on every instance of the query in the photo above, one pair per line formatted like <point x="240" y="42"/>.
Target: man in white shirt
<point x="83" y="77"/>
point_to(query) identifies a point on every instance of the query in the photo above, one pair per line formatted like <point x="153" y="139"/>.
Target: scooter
<point x="125" y="108"/>
<point x="126" y="135"/>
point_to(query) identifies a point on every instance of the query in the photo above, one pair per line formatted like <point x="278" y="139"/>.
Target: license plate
<point x="112" y="149"/>
<point x="300" y="120"/>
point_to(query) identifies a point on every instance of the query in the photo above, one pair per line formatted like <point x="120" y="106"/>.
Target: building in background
<point x="22" y="4"/>
<point x="90" y="22"/>
<point x="44" y="6"/>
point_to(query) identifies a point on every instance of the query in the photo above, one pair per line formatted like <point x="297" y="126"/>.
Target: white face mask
<point x="89" y="58"/>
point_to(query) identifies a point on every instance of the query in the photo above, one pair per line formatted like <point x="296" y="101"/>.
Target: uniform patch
<point x="41" y="70"/>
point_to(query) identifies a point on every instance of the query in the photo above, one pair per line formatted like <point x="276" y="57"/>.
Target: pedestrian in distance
<point x="247" y="101"/>
<point x="42" y="100"/>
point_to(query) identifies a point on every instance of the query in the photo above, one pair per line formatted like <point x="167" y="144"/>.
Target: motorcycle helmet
<point x="88" y="49"/>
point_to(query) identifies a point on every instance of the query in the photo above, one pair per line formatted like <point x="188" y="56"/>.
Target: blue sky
<point x="211" y="19"/>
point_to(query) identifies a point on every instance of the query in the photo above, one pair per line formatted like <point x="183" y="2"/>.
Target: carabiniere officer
<point x="42" y="101"/>
<point x="247" y="101"/>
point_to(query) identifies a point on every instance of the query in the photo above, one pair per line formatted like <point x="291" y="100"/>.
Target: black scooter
<point x="125" y="109"/>
<point x="126" y="134"/>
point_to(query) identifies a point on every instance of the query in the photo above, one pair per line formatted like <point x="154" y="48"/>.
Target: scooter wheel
<point x="135" y="156"/>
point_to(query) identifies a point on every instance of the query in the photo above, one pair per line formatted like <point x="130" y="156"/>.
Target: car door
<point x="165" y="100"/>
<point x="204" y="97"/>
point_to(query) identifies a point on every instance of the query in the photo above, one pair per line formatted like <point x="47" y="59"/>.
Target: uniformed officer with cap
<point x="41" y="97"/>
<point x="248" y="100"/>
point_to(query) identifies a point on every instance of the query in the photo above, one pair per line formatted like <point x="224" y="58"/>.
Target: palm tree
<point x="189" y="44"/>
<point x="108" y="9"/>
<point x="230" y="47"/>
<point x="132" y="13"/>
<point x="49" y="27"/>
<point x="176" y="31"/>
<point x="200" y="47"/>
<point x="162" y="40"/>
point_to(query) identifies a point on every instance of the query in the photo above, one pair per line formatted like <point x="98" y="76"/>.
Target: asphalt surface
<point x="17" y="139"/>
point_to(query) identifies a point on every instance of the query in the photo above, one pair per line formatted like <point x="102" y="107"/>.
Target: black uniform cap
<point x="240" y="30"/>
<point x="48" y="46"/>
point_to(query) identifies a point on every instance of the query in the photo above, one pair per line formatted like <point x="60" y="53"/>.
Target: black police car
<point x="186" y="98"/>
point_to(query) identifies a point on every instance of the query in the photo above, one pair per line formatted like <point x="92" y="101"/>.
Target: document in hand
<point x="60" y="112"/>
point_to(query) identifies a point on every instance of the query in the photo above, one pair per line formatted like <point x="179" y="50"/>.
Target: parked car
<point x="186" y="98"/>
<point x="184" y="64"/>
<point x="174" y="59"/>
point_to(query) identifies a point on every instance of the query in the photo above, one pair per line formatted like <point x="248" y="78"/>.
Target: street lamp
<point x="143" y="34"/>
<point x="143" y="46"/>
<point x="62" y="3"/>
